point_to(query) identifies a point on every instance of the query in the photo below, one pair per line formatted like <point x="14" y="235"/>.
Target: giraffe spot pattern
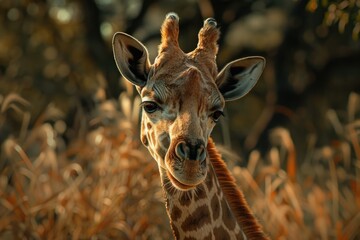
<point x="175" y="213"/>
<point x="228" y="217"/>
<point x="221" y="233"/>
<point x="197" y="219"/>
<point x="215" y="206"/>
<point x="209" y="183"/>
<point x="201" y="192"/>
<point x="185" y="199"/>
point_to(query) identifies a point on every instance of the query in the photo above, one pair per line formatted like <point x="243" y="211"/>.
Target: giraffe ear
<point x="132" y="58"/>
<point x="238" y="77"/>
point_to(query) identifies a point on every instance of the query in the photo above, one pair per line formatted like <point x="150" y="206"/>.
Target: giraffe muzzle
<point x="188" y="167"/>
<point x="191" y="151"/>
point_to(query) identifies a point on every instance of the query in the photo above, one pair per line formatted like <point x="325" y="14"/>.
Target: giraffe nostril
<point x="181" y="150"/>
<point x="188" y="151"/>
<point x="201" y="154"/>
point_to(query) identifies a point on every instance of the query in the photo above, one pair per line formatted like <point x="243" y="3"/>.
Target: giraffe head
<point x="183" y="96"/>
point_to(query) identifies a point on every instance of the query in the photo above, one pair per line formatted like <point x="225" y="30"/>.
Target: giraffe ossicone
<point x="183" y="96"/>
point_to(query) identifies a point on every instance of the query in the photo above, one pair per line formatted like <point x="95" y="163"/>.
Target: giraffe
<point x="183" y="96"/>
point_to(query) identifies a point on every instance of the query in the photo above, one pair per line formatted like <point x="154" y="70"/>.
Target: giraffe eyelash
<point x="150" y="106"/>
<point x="216" y="115"/>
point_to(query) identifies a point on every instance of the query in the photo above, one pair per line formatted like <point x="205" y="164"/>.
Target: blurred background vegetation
<point x="70" y="151"/>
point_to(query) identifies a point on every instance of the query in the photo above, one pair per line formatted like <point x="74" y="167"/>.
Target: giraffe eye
<point x="216" y="115"/>
<point x="150" y="107"/>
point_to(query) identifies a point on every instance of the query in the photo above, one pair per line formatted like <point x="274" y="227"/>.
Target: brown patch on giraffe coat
<point x="200" y="192"/>
<point x="221" y="233"/>
<point x="175" y="213"/>
<point x="215" y="207"/>
<point x="209" y="182"/>
<point x="149" y="126"/>
<point x="185" y="199"/>
<point x="227" y="216"/>
<point x="197" y="219"/>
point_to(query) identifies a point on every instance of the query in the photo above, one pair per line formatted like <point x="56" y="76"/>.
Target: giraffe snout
<point x="195" y="151"/>
<point x="187" y="164"/>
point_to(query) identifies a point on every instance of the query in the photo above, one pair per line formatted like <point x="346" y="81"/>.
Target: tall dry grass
<point x="99" y="183"/>
<point x="317" y="197"/>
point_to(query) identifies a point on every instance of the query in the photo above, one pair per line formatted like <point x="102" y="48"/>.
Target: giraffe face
<point x="183" y="96"/>
<point x="180" y="109"/>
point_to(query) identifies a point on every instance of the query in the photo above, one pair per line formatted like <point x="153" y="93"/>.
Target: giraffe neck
<point x="202" y="213"/>
<point x="216" y="209"/>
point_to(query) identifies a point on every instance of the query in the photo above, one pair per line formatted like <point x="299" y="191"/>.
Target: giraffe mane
<point x="234" y="196"/>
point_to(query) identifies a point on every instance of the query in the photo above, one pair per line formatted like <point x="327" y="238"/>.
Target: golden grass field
<point x="101" y="183"/>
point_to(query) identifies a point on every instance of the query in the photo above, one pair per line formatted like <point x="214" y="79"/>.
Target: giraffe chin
<point x="179" y="185"/>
